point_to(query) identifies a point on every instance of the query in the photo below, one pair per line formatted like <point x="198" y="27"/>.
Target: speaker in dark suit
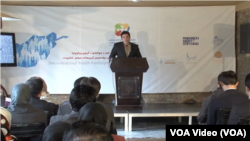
<point x="125" y="48"/>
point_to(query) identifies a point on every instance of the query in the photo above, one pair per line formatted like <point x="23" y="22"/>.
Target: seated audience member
<point x="36" y="85"/>
<point x="241" y="110"/>
<point x="65" y="107"/>
<point x="96" y="112"/>
<point x="55" y="131"/>
<point x="202" y="116"/>
<point x="92" y="81"/>
<point x="93" y="111"/>
<point x="45" y="93"/>
<point x="20" y="108"/>
<point x="229" y="83"/>
<point x="87" y="131"/>
<point x="6" y="124"/>
<point x="79" y="96"/>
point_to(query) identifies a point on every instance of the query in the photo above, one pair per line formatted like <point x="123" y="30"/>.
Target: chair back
<point x="244" y="121"/>
<point x="27" y="130"/>
<point x="223" y="114"/>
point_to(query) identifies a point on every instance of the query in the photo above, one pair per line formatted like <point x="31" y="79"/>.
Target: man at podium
<point x="125" y="48"/>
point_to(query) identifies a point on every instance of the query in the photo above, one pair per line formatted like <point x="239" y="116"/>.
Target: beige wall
<point x="243" y="5"/>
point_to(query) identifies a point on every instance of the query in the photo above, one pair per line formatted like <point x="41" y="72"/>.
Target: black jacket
<point x="224" y="100"/>
<point x="119" y="51"/>
<point x="43" y="105"/>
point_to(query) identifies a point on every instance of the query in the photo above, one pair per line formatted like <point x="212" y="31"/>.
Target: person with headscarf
<point x="20" y="108"/>
<point x="96" y="112"/>
<point x="6" y="125"/>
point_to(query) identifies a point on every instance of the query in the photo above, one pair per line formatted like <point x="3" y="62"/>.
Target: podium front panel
<point x="129" y="87"/>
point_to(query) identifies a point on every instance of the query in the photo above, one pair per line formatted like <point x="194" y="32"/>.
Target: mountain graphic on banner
<point x="35" y="49"/>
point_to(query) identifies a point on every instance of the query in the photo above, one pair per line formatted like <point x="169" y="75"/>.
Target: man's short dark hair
<point x="125" y="32"/>
<point x="78" y="81"/>
<point x="218" y="79"/>
<point x="87" y="131"/>
<point x="247" y="81"/>
<point x="228" y="77"/>
<point x="80" y="95"/>
<point x="92" y="81"/>
<point x="36" y="85"/>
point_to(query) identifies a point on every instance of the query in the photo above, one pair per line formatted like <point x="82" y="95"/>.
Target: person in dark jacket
<point x="241" y="110"/>
<point x="229" y="83"/>
<point x="36" y="86"/>
<point x="125" y="48"/>
<point x="202" y="116"/>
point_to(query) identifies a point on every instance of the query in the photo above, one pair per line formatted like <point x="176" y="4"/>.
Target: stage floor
<point x="151" y="127"/>
<point x="163" y="110"/>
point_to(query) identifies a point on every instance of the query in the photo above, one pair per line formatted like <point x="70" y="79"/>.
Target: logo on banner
<point x="168" y="61"/>
<point x="120" y="27"/>
<point x="218" y="54"/>
<point x="191" y="41"/>
<point x="217" y="41"/>
<point x="190" y="58"/>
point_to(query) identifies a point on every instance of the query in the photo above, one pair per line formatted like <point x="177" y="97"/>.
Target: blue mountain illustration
<point x="35" y="49"/>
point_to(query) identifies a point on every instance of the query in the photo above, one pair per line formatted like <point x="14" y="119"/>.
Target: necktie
<point x="127" y="50"/>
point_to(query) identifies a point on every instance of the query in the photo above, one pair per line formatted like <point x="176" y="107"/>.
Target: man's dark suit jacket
<point x="202" y="116"/>
<point x="43" y="105"/>
<point x="225" y="100"/>
<point x="119" y="51"/>
<point x="239" y="110"/>
<point x="65" y="108"/>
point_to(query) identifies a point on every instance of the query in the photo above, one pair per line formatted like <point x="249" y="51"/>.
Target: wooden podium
<point x="128" y="78"/>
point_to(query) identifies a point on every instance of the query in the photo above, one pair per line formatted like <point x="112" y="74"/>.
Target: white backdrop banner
<point x="186" y="47"/>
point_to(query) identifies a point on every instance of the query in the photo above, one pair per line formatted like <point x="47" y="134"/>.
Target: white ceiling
<point x="119" y="3"/>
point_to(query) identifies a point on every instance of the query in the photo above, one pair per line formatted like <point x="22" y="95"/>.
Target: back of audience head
<point x="45" y="87"/>
<point x="21" y="94"/>
<point x="87" y="131"/>
<point x="55" y="131"/>
<point x="36" y="86"/>
<point x="228" y="78"/>
<point x="78" y="81"/>
<point x="218" y="79"/>
<point x="80" y="95"/>
<point x="247" y="83"/>
<point x="92" y="81"/>
<point x="95" y="112"/>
